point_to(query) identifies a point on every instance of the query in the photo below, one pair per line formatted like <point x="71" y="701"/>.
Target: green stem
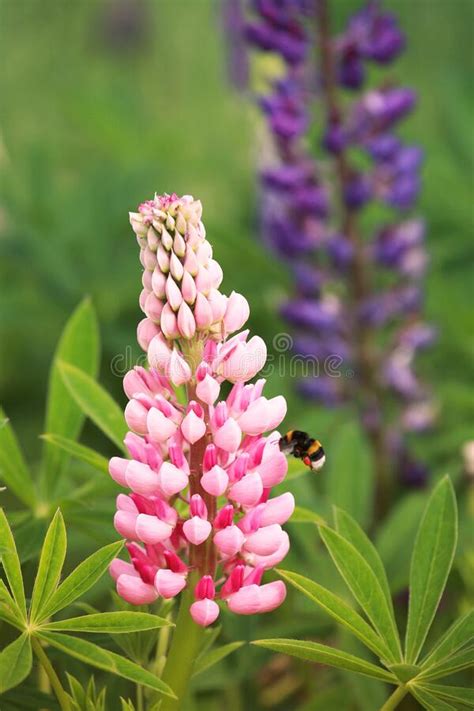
<point x="393" y="701"/>
<point x="53" y="677"/>
<point x="139" y="697"/>
<point x="184" y="649"/>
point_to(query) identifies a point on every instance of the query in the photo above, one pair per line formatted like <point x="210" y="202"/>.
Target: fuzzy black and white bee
<point x="303" y="447"/>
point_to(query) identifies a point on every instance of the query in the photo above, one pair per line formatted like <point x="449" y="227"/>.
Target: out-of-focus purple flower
<point x="413" y="473"/>
<point x="327" y="390"/>
<point x="234" y="23"/>
<point x="381" y="308"/>
<point x="305" y="313"/>
<point x="358" y="191"/>
<point x="285" y="109"/>
<point x="313" y="213"/>
<point x="341" y="250"/>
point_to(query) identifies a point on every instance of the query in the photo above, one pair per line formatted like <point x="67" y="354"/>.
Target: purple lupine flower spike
<point x="348" y="286"/>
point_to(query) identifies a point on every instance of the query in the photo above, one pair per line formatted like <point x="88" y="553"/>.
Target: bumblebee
<point x="304" y="447"/>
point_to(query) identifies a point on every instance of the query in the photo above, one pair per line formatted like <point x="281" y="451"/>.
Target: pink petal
<point x="272" y="595"/>
<point x="135" y="591"/>
<point x="196" y="530"/>
<point x="121" y="567"/>
<point x="228" y="436"/>
<point x="277" y="409"/>
<point x="204" y="612"/>
<point x="248" y="490"/>
<point x="171" y="479"/>
<point x="151" y="529"/>
<point x="254" y="420"/>
<point x="117" y="468"/>
<point x="269" y="561"/>
<point x="215" y="481"/>
<point x="135" y="416"/>
<point x="173" y="293"/>
<point x="158" y="283"/>
<point x="202" y="311"/>
<point x="169" y="584"/>
<point x="126" y="503"/>
<point x="186" y="322"/>
<point x="159" y="353"/>
<point x="179" y="371"/>
<point x="256" y="356"/>
<point x="141" y="478"/>
<point x="153" y="307"/>
<point x="193" y="427"/>
<point x="168" y="322"/>
<point x="160" y="427"/>
<point x="237" y="312"/>
<point x="266" y="540"/>
<point x="216" y="273"/>
<point x="124" y="523"/>
<point x="208" y="390"/>
<point x="273" y="470"/>
<point x="146" y="330"/>
<point x="229" y="540"/>
<point x="245" y="601"/>
<point x="218" y="304"/>
<point x="188" y="288"/>
<point x="278" y="510"/>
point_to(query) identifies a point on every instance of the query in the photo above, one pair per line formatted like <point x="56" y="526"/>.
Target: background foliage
<point x="100" y="109"/>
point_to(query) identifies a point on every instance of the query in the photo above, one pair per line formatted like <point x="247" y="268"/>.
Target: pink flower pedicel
<point x="200" y="473"/>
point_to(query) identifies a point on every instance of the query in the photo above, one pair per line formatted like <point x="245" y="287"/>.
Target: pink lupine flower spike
<point x="199" y="511"/>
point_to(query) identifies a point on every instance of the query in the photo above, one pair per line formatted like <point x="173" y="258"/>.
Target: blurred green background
<point x="106" y="102"/>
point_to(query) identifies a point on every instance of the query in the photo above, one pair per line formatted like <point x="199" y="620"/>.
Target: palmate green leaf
<point x="429" y="701"/>
<point x="8" y="608"/>
<point x="339" y="611"/>
<point x="15" y="663"/>
<point x="460" y="633"/>
<point x="79" y="451"/>
<point x="14" y="472"/>
<point x="458" y="694"/>
<point x="431" y="562"/>
<point x="350" y="480"/>
<point x="394" y="539"/>
<point x="82" y="578"/>
<point x="458" y="661"/>
<point x="77" y="692"/>
<point x="314" y="652"/>
<point x="127" y="705"/>
<point x="366" y="588"/>
<point x="11" y="564"/>
<point x="103" y="659"/>
<point x="350" y="529"/>
<point x="50" y="565"/>
<point x="79" y="346"/>
<point x="208" y="659"/>
<point x="95" y="402"/>
<point x="112" y="622"/>
<point x="302" y="515"/>
<point x="405" y="672"/>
